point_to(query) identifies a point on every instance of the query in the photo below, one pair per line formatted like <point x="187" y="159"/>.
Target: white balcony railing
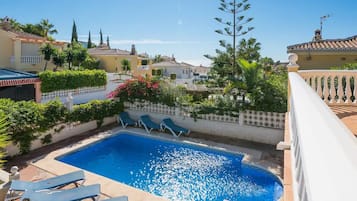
<point x="31" y="59"/>
<point x="323" y="150"/>
<point x="333" y="86"/>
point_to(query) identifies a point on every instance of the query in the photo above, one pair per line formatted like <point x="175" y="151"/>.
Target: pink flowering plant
<point x="137" y="89"/>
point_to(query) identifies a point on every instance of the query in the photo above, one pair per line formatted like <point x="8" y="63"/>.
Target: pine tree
<point x="89" y="45"/>
<point x="74" y="33"/>
<point x="101" y="37"/>
<point x="233" y="28"/>
<point x="108" y="42"/>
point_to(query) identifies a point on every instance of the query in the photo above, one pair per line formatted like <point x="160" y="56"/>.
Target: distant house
<point x="21" y="51"/>
<point x="324" y="54"/>
<point x="168" y="68"/>
<point x="201" y="70"/>
<point x="111" y="59"/>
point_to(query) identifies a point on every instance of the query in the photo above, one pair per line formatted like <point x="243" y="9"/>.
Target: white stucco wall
<point x="234" y="130"/>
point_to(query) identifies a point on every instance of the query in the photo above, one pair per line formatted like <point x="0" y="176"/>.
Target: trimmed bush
<point x="69" y="79"/>
<point x="27" y="119"/>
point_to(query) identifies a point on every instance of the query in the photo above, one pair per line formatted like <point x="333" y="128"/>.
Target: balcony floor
<point x="348" y="115"/>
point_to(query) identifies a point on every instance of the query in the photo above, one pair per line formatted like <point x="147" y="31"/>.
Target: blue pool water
<point x="176" y="171"/>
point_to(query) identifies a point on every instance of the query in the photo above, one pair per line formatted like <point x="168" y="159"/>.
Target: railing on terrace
<point x="248" y="117"/>
<point x="323" y="150"/>
<point x="333" y="86"/>
<point x="31" y="59"/>
<point x="62" y="93"/>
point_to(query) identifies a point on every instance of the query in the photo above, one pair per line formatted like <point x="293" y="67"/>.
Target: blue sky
<point x="185" y="28"/>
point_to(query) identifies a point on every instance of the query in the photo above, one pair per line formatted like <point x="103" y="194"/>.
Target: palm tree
<point x="251" y="74"/>
<point x="46" y="28"/>
<point x="125" y="65"/>
<point x="3" y="135"/>
<point x="47" y="50"/>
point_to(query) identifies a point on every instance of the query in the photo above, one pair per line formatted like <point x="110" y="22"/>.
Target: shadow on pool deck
<point x="269" y="154"/>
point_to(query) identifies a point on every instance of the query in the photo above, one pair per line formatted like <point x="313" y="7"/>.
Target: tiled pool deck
<point x="41" y="163"/>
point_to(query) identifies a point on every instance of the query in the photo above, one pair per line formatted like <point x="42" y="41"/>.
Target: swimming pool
<point x="175" y="170"/>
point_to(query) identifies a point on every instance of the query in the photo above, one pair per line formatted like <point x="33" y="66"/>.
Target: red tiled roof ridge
<point x="346" y="44"/>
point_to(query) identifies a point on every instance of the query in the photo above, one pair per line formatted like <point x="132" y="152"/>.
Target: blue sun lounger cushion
<point x="148" y="124"/>
<point x="80" y="193"/>
<point x="125" y="120"/>
<point x="176" y="130"/>
<point x="18" y="186"/>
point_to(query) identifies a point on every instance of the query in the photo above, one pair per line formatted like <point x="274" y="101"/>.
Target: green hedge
<point x="70" y="79"/>
<point x="26" y="118"/>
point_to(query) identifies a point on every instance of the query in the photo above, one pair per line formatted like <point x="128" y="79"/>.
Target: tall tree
<point x="47" y="50"/>
<point x="101" y="37"/>
<point x="74" y="33"/>
<point x="233" y="27"/>
<point x="108" y="45"/>
<point x="249" y="50"/>
<point x="32" y="29"/>
<point x="46" y="28"/>
<point x="89" y="45"/>
<point x="69" y="56"/>
<point x="58" y="58"/>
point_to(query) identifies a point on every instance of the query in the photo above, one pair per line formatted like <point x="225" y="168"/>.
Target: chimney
<point x="6" y="24"/>
<point x="133" y="50"/>
<point x="317" y="36"/>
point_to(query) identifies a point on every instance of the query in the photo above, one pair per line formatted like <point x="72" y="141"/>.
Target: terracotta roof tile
<point x="348" y="44"/>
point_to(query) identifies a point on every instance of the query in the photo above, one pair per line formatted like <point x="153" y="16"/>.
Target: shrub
<point x="3" y="136"/>
<point x="27" y="119"/>
<point x="68" y="79"/>
<point x="137" y="89"/>
<point x="95" y="110"/>
<point x="270" y="95"/>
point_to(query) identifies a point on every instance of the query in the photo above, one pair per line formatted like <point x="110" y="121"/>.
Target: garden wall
<point x="262" y="127"/>
<point x="67" y="132"/>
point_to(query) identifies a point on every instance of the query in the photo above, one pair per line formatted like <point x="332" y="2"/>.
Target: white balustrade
<point x="323" y="150"/>
<point x="61" y="93"/>
<point x="31" y="59"/>
<point x="333" y="86"/>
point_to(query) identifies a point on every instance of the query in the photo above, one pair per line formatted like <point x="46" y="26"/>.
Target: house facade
<point x="111" y="60"/>
<point x="324" y="54"/>
<point x="21" y="51"/>
<point x="169" y="68"/>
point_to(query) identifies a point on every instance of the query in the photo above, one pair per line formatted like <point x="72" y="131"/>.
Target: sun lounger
<point x="120" y="198"/>
<point x="125" y="120"/>
<point x="80" y="193"/>
<point x="173" y="128"/>
<point x="18" y="186"/>
<point x="148" y="124"/>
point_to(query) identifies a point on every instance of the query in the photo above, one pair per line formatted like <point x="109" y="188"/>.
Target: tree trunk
<point x="45" y="66"/>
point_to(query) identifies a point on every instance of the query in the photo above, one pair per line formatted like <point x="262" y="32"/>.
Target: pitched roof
<point x="27" y="37"/>
<point x="99" y="51"/>
<point x="330" y="45"/>
<point x="171" y="64"/>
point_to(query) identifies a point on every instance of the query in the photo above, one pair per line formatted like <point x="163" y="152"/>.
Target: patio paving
<point x="348" y="115"/>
